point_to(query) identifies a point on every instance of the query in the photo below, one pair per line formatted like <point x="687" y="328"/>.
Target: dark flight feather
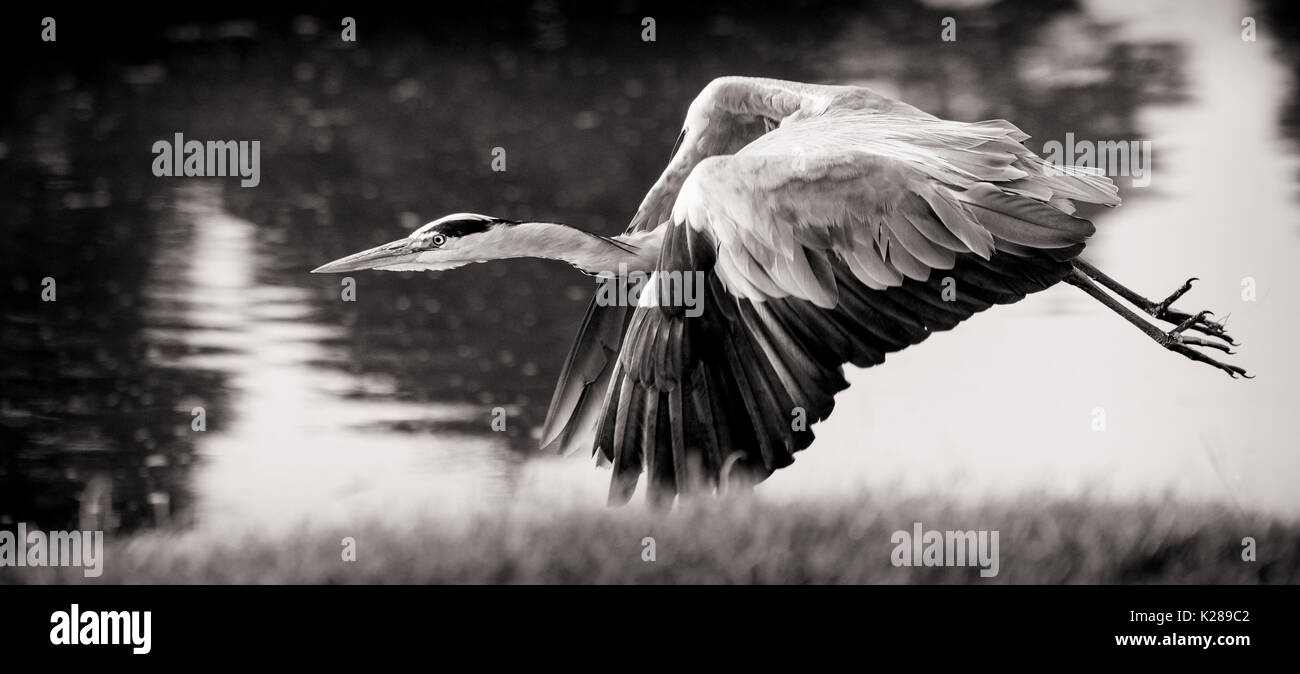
<point x="693" y="390"/>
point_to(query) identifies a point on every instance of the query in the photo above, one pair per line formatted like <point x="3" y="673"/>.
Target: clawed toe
<point x="1178" y="342"/>
<point x="1209" y="344"/>
<point x="1192" y="321"/>
<point x="1173" y="297"/>
<point x="1198" y="323"/>
<point x="1182" y="345"/>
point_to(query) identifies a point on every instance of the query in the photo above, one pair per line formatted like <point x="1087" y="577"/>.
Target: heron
<point x="830" y="225"/>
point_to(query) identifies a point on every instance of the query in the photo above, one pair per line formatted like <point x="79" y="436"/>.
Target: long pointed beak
<point x="394" y="252"/>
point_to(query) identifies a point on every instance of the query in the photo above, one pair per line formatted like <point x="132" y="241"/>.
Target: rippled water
<point x="182" y="293"/>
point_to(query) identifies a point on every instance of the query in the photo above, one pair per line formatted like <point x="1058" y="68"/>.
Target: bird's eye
<point x="438" y="239"/>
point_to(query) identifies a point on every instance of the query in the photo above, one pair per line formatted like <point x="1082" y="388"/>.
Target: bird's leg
<point x="1160" y="310"/>
<point x="1174" y="340"/>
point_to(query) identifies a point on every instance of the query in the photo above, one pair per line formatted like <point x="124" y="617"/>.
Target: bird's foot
<point x="1180" y="343"/>
<point x="1199" y="323"/>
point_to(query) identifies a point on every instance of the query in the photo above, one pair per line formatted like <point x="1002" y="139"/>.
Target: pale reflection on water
<point x="179" y="294"/>
<point x="295" y="445"/>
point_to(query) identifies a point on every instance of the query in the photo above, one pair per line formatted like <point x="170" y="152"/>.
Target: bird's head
<point x="445" y="243"/>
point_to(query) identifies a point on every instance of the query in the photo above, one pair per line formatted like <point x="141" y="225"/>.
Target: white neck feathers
<point x="588" y="252"/>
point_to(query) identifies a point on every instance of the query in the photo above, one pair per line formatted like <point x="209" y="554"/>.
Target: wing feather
<point x="818" y="216"/>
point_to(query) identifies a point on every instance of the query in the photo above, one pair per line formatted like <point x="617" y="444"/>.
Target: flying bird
<point x="825" y="224"/>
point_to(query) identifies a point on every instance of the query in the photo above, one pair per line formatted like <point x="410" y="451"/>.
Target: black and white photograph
<point x="904" y="297"/>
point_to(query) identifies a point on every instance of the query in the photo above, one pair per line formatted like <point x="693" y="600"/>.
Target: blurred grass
<point x="733" y="541"/>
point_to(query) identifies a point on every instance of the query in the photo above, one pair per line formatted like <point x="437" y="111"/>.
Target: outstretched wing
<point x="892" y="198"/>
<point x="727" y="115"/>
<point x="820" y="243"/>
<point x="732" y="112"/>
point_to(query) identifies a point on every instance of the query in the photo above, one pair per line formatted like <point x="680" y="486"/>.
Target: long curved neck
<point x="591" y="253"/>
